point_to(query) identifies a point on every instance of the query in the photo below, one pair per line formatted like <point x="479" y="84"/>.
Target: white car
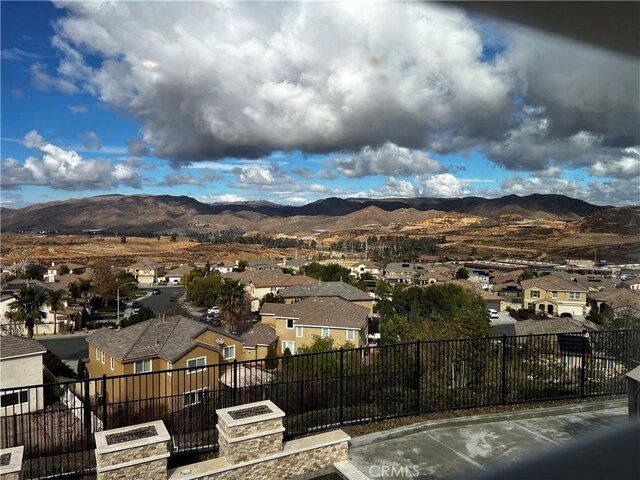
<point x="215" y="310"/>
<point x="493" y="313"/>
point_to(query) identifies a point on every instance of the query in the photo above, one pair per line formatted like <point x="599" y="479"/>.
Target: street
<point x="158" y="303"/>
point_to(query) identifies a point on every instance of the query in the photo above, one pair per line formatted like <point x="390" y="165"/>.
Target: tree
<point x="398" y="329"/>
<point x="233" y="302"/>
<point x="242" y="266"/>
<point x="319" y="344"/>
<point x="74" y="290"/>
<point x="327" y="273"/>
<point x="271" y="298"/>
<point x="145" y="313"/>
<point x="26" y="306"/>
<point x="123" y="239"/>
<point x="205" y="292"/>
<point x="462" y="274"/>
<point x="188" y="279"/>
<point x="527" y="275"/>
<point x="84" y="287"/>
<point x="54" y="301"/>
<point x="64" y="270"/>
<point x="174" y="237"/>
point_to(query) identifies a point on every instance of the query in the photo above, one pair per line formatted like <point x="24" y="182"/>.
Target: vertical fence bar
<point x="418" y="377"/>
<point x="104" y="402"/>
<point x="236" y="388"/>
<point x="503" y="372"/>
<point x="583" y="363"/>
<point x="87" y="413"/>
<point x="341" y="388"/>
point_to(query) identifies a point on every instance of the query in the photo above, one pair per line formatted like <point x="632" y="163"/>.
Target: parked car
<point x="156" y="291"/>
<point x="135" y="307"/>
<point x="493" y="313"/>
<point x="215" y="310"/>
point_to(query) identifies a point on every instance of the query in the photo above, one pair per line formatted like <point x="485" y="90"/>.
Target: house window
<point x="289" y="323"/>
<point x="290" y="345"/>
<point x="299" y="332"/>
<point x="143" y="366"/>
<point x="113" y="364"/>
<point x="554" y="294"/>
<point x="608" y="364"/>
<point x="574" y="295"/>
<point x="325" y="333"/>
<point x="566" y="360"/>
<point x="169" y="368"/>
<point x="196" y="364"/>
<point x="535" y="293"/>
<point x="351" y="335"/>
<point x="195" y="397"/>
<point x="97" y="354"/>
<point x="14" y="398"/>
<point x="229" y="352"/>
<point x="102" y="356"/>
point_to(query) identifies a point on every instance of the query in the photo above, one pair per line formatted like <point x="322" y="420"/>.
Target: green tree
<point x="319" y="344"/>
<point x="242" y="266"/>
<point x="64" y="270"/>
<point x="123" y="239"/>
<point x="271" y="298"/>
<point x="331" y="272"/>
<point x="527" y="275"/>
<point x="189" y="278"/>
<point x="462" y="274"/>
<point x="145" y="313"/>
<point x="74" y="290"/>
<point x="398" y="329"/>
<point x="55" y="301"/>
<point x="233" y="302"/>
<point x="174" y="237"/>
<point x="205" y="292"/>
<point x="85" y="286"/>
<point x="26" y="307"/>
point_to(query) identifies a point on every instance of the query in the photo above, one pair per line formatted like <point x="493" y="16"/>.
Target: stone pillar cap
<point x="15" y="462"/>
<point x="102" y="446"/>
<point x="226" y="415"/>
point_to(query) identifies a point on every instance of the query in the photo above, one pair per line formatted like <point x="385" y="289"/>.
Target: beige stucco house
<point x="147" y="272"/>
<point x="20" y="366"/>
<point x="554" y="295"/>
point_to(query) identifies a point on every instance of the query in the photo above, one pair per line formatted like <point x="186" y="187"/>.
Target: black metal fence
<point x="317" y="391"/>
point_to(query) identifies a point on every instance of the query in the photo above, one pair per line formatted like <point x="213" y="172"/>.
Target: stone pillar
<point x="633" y="392"/>
<point x="11" y="463"/>
<point x="250" y="431"/>
<point x="137" y="451"/>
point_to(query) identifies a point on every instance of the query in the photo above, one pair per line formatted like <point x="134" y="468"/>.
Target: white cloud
<point x="394" y="188"/>
<point x="224" y="198"/>
<point x="389" y="159"/>
<point x="33" y="140"/>
<point x="91" y="141"/>
<point x="443" y="185"/>
<point x="269" y="175"/>
<point x="77" y="109"/>
<point x="65" y="170"/>
<point x="628" y="166"/>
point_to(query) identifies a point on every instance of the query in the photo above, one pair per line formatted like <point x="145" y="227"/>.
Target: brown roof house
<point x="181" y="361"/>
<point x="297" y="324"/>
<point x="20" y="367"/>
<point x="554" y="295"/>
<point x="147" y="272"/>
<point x="329" y="289"/>
<point x="616" y="303"/>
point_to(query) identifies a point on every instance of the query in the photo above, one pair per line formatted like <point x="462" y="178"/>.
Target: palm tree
<point x="84" y="287"/>
<point x="55" y="302"/>
<point x="233" y="302"/>
<point x="26" y="307"/>
<point x="74" y="290"/>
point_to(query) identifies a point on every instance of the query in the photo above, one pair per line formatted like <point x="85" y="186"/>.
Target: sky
<point x="293" y="102"/>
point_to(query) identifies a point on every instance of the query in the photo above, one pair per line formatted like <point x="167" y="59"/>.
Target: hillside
<point x="622" y="221"/>
<point x="150" y="214"/>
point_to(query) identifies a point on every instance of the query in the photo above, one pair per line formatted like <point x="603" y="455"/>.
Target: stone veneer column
<point x="11" y="463"/>
<point x="134" y="452"/>
<point x="250" y="431"/>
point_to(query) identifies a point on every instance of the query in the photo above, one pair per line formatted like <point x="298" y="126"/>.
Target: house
<point x="511" y="293"/>
<point x="328" y="289"/>
<point x="554" y="295"/>
<point x="147" y="272"/>
<point x="55" y="271"/>
<point x="25" y="269"/>
<point x="492" y="300"/>
<point x="435" y="275"/>
<point x="616" y="302"/>
<point x="633" y="284"/>
<point x="263" y="265"/>
<point x="296" y="264"/>
<point x="258" y="283"/>
<point x="257" y="340"/>
<point x="299" y="323"/>
<point x="174" y="277"/>
<point x="20" y="366"/>
<point x="46" y="324"/>
<point x="367" y="267"/>
<point x="222" y="267"/>
<point x="402" y="273"/>
<point x="179" y="349"/>
<point x="428" y="258"/>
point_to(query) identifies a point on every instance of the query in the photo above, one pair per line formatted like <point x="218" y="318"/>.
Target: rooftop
<point x="11" y="347"/>
<point x="553" y="283"/>
<point x="321" y="312"/>
<point x="326" y="289"/>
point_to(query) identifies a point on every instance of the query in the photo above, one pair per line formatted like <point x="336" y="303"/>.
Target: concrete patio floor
<point x="459" y="447"/>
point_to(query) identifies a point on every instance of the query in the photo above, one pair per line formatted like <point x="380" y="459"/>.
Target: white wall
<point x="19" y="372"/>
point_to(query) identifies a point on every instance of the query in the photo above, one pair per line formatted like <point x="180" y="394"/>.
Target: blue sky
<point x="292" y="102"/>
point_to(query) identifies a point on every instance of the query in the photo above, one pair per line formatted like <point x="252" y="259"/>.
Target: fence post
<point x="341" y="387"/>
<point x="15" y="430"/>
<point x="418" y="377"/>
<point x="86" y="407"/>
<point x="104" y="402"/>
<point x="503" y="373"/>
<point x="236" y="389"/>
<point x="583" y="363"/>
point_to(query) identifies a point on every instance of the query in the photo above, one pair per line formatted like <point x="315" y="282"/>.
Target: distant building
<point x="263" y="265"/>
<point x="616" y="302"/>
<point x="328" y="289"/>
<point x="20" y="366"/>
<point x="366" y="267"/>
<point x="554" y="295"/>
<point x="298" y="324"/>
<point x="53" y="271"/>
<point x="633" y="284"/>
<point x="403" y="273"/>
<point x="147" y="272"/>
<point x="174" y="277"/>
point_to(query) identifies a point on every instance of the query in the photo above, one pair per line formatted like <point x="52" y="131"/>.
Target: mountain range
<point x="150" y="214"/>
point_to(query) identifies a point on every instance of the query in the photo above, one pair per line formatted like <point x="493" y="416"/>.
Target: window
<point x="229" y="352"/>
<point x="299" y="332"/>
<point x="574" y="295"/>
<point x="535" y="293"/>
<point x="169" y="367"/>
<point x="567" y="360"/>
<point x="14" y="398"/>
<point x="290" y="345"/>
<point x="325" y="332"/>
<point x="97" y="354"/>
<point x="102" y="356"/>
<point x="195" y="397"/>
<point x="113" y="364"/>
<point x="554" y="294"/>
<point x="143" y="366"/>
<point x="196" y="364"/>
<point x="289" y="323"/>
<point x="351" y="335"/>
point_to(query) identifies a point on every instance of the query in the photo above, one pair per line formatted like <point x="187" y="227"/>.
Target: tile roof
<point x="259" y="334"/>
<point x="553" y="283"/>
<point x="320" y="312"/>
<point x="326" y="289"/>
<point x="618" y="297"/>
<point x="553" y="326"/>
<point x="168" y="338"/>
<point x="11" y="346"/>
<point x="146" y="264"/>
<point x="180" y="271"/>
<point x="269" y="278"/>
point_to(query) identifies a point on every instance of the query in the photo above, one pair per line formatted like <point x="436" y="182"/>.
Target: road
<point x="66" y="347"/>
<point x="160" y="303"/>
